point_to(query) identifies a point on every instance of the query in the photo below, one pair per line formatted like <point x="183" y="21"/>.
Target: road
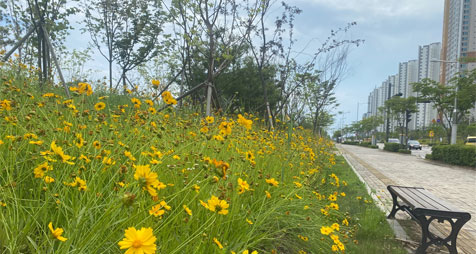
<point x="419" y="153"/>
<point x="380" y="168"/>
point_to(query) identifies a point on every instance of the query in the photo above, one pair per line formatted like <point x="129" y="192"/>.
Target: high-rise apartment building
<point x="427" y="69"/>
<point x="459" y="39"/>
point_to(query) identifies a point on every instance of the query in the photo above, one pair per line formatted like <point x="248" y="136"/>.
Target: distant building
<point x="408" y="73"/>
<point x="431" y="70"/>
<point x="459" y="38"/>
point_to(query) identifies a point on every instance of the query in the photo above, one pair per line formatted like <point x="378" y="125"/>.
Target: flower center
<point x="137" y="243"/>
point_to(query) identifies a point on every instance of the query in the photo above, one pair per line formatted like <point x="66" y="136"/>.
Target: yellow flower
<point x="218" y="138"/>
<point x="187" y="210"/>
<point x="148" y="179"/>
<point x="99" y="106"/>
<point x="335" y="226"/>
<point x="168" y="99"/>
<point x="204" y="129"/>
<point x="84" y="88"/>
<point x="247" y="252"/>
<point x="59" y="151"/>
<point x="6" y="104"/>
<point x="244" y="122"/>
<point x="48" y="179"/>
<point x="57" y="232"/>
<point x="158" y="210"/>
<point x="97" y="145"/>
<point x="326" y="230"/>
<point x="304" y="238"/>
<point x="268" y="195"/>
<point x="250" y="156"/>
<point x="243" y="186"/>
<point x="225" y="128"/>
<point x="272" y="182"/>
<point x="215" y="204"/>
<point x="78" y="182"/>
<point x="209" y="119"/>
<point x="155" y="83"/>
<point x="298" y="184"/>
<point x="217" y="243"/>
<point x="136" y="102"/>
<point x="138" y="241"/>
<point x="152" y="110"/>
<point x="41" y="169"/>
<point x="345" y="222"/>
<point x="334" y="206"/>
<point x="129" y="155"/>
<point x="249" y="221"/>
<point x="149" y="102"/>
<point x="79" y="142"/>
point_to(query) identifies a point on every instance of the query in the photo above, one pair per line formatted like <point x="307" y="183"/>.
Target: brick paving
<point x="379" y="168"/>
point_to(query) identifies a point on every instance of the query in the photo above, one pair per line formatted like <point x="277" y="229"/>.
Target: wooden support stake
<point x="18" y="44"/>
<point x="52" y="51"/>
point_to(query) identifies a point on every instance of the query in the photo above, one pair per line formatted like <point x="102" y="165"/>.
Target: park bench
<point x="425" y="207"/>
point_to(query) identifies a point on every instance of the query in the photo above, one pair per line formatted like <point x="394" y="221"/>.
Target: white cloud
<point x="383" y="8"/>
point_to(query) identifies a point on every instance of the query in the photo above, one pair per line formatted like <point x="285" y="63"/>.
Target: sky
<point x="392" y="30"/>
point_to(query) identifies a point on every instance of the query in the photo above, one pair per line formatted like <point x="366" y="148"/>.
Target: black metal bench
<point x="425" y="207"/>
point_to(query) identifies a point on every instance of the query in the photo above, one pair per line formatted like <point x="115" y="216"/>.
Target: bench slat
<point x="423" y="199"/>
<point x="411" y="198"/>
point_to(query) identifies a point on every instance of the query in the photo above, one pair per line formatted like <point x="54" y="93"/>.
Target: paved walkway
<point x="380" y="168"/>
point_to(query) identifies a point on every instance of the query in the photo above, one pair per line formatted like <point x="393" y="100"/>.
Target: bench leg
<point x="395" y="208"/>
<point x="455" y="228"/>
<point x="428" y="239"/>
<point x="425" y="234"/>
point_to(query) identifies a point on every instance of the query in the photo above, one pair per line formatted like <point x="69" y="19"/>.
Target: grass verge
<point x="373" y="234"/>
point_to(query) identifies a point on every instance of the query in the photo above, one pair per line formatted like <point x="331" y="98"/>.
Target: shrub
<point x="428" y="156"/>
<point x="405" y="151"/>
<point x="455" y="154"/>
<point x="373" y="146"/>
<point x="393" y="147"/>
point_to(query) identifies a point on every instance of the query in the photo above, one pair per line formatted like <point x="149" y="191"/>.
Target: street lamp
<point x="342" y="120"/>
<point x="454" y="126"/>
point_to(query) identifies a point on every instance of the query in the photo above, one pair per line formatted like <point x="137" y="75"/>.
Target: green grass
<point x="172" y="142"/>
<point x="373" y="233"/>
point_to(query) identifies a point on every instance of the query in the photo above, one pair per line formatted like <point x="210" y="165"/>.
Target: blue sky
<point x="392" y="30"/>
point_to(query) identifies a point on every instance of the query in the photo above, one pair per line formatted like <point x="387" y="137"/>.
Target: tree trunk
<point x="211" y="63"/>
<point x="110" y="72"/>
<point x="265" y="95"/>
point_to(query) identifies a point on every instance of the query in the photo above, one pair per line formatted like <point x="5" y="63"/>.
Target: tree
<point x="227" y="24"/>
<point x="462" y="88"/>
<point x="137" y="38"/>
<point x="399" y="108"/>
<point x="102" y="22"/>
<point x="237" y="86"/>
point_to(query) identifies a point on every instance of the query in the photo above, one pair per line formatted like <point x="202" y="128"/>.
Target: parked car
<point x="470" y="141"/>
<point x="393" y="140"/>
<point x="413" y="144"/>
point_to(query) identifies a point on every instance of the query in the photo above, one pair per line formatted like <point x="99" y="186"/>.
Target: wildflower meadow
<point x="107" y="173"/>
